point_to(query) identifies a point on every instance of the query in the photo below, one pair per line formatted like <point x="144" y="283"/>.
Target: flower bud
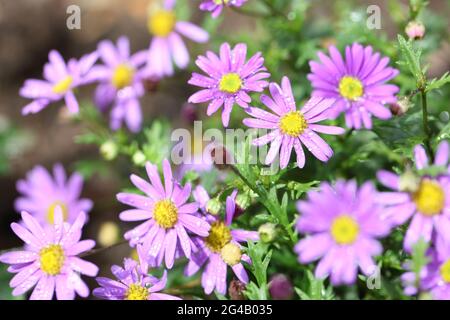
<point x="139" y="158"/>
<point x="415" y="30"/>
<point x="243" y="200"/>
<point x="108" y="234"/>
<point x="401" y="106"/>
<point x="109" y="150"/>
<point x="213" y="206"/>
<point x="268" y="232"/>
<point x="189" y="112"/>
<point x="409" y="182"/>
<point x="280" y="287"/>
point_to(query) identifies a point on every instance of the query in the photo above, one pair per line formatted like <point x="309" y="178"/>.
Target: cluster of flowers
<point x="341" y="222"/>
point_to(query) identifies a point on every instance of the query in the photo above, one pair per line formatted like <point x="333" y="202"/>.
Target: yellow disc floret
<point x="445" y="271"/>
<point x="344" y="230"/>
<point x="219" y="2"/>
<point x="51" y="211"/>
<point x="52" y="259"/>
<point x="351" y="88"/>
<point x="430" y="198"/>
<point x="122" y="76"/>
<point x="293" y="124"/>
<point x="136" y="292"/>
<point x="165" y="213"/>
<point x="161" y="23"/>
<point x="219" y="236"/>
<point x="230" y="83"/>
<point x="231" y="254"/>
<point x="63" y="86"/>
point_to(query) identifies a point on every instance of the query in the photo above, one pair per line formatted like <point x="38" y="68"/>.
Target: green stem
<point x="99" y="250"/>
<point x="426" y="127"/>
<point x="250" y="13"/>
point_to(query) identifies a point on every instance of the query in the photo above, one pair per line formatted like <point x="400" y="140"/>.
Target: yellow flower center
<point x="165" y="214"/>
<point x="161" y="23"/>
<point x="123" y="76"/>
<point x="221" y="1"/>
<point x="344" y="230"/>
<point x="230" y="83"/>
<point x="351" y="88"/>
<point x="430" y="198"/>
<point x="51" y="211"/>
<point x="136" y="292"/>
<point x="231" y="254"/>
<point x="445" y="271"/>
<point x="293" y="124"/>
<point x="219" y="236"/>
<point x="52" y="259"/>
<point x="63" y="85"/>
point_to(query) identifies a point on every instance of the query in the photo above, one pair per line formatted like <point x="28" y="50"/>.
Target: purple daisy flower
<point x="167" y="43"/>
<point x="216" y="6"/>
<point x="230" y="79"/>
<point x="133" y="283"/>
<point x="424" y="199"/>
<point x="167" y="216"/>
<point x="60" y="80"/>
<point x="221" y="248"/>
<point x="42" y="193"/>
<point x="342" y="223"/>
<point x="120" y="83"/>
<point x="49" y="259"/>
<point x="437" y="279"/>
<point x="291" y="127"/>
<point x="358" y="84"/>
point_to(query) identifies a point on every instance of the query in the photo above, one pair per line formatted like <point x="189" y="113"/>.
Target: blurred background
<point x="29" y="29"/>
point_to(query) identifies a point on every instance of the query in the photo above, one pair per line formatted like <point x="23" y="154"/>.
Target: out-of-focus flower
<point x="167" y="216"/>
<point x="166" y="43"/>
<point x="60" y="81"/>
<point x="437" y="281"/>
<point x="342" y="223"/>
<point x="415" y="30"/>
<point x="219" y="249"/>
<point x="50" y="259"/>
<point x="291" y="127"/>
<point x="229" y="79"/>
<point x="358" y="83"/>
<point x="121" y="83"/>
<point x="108" y="234"/>
<point x="216" y="6"/>
<point x="280" y="287"/>
<point x="42" y="193"/>
<point x="428" y="204"/>
<point x="189" y="112"/>
<point x="133" y="283"/>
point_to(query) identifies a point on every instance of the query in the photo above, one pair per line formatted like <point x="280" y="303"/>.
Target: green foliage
<point x="260" y="257"/>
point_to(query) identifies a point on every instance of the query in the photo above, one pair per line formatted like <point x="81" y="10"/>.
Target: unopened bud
<point x="415" y="30"/>
<point x="409" y="182"/>
<point x="280" y="287"/>
<point x="401" y="106"/>
<point x="139" y="158"/>
<point x="243" y="200"/>
<point x="108" y="234"/>
<point x="109" y="150"/>
<point x="213" y="206"/>
<point x="268" y="232"/>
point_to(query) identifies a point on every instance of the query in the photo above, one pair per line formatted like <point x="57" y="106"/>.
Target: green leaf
<point x="412" y="58"/>
<point x="438" y="83"/>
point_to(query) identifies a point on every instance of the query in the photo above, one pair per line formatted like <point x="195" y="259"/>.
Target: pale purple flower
<point x="133" y="283"/>
<point x="167" y="216"/>
<point x="121" y="83"/>
<point x="437" y="279"/>
<point x="425" y="200"/>
<point x="290" y="128"/>
<point x="60" y="79"/>
<point x="342" y="224"/>
<point x="41" y="193"/>
<point x="230" y="78"/>
<point x="50" y="259"/>
<point x="221" y="249"/>
<point x="216" y="6"/>
<point x="167" y="44"/>
<point x="358" y="83"/>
